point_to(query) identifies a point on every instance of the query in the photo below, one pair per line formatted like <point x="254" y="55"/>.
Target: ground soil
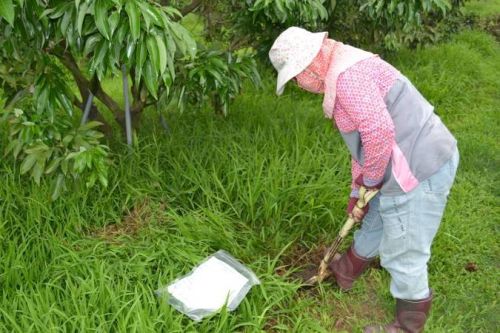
<point x="345" y="313"/>
<point x="134" y="220"/>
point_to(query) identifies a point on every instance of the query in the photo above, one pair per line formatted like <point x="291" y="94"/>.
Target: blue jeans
<point x="400" y="229"/>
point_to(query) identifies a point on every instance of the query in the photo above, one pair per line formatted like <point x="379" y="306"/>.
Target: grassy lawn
<point x="266" y="184"/>
<point x="483" y="7"/>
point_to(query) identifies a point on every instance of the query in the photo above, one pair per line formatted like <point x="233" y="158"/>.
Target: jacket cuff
<point x="370" y="182"/>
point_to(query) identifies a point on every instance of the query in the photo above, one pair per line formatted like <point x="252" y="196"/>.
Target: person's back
<point x="422" y="144"/>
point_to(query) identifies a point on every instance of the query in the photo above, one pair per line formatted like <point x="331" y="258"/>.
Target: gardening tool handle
<point x="364" y="197"/>
<point x="351" y="221"/>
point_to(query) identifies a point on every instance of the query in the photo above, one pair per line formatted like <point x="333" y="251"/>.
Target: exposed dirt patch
<point x="471" y="267"/>
<point x="492" y="26"/>
<point x="270" y="324"/>
<point x="375" y="264"/>
<point x="345" y="314"/>
<point x="301" y="257"/>
<point x="304" y="261"/>
<point x="133" y="221"/>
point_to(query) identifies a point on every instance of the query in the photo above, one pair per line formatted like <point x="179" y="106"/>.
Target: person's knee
<point x="367" y="239"/>
<point x="365" y="247"/>
<point x="410" y="289"/>
<point x="409" y="284"/>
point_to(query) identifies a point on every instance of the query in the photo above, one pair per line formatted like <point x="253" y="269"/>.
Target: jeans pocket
<point x="440" y="183"/>
<point x="395" y="213"/>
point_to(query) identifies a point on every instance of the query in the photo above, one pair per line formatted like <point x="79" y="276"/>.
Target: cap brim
<point x="286" y="75"/>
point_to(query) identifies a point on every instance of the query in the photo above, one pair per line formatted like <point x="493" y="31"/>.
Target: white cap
<point x="293" y="51"/>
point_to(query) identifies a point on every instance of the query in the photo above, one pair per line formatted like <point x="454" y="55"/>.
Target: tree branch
<point x="191" y="7"/>
<point x="84" y="86"/>
<point x="83" y="83"/>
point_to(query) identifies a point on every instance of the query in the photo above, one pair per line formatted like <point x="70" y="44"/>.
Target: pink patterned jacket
<point x="391" y="130"/>
<point x="360" y="88"/>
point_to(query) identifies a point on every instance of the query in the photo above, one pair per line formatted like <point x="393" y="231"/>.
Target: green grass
<point x="270" y="179"/>
<point x="483" y="8"/>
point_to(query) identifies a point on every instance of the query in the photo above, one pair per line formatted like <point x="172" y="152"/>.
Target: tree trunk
<point x="85" y="86"/>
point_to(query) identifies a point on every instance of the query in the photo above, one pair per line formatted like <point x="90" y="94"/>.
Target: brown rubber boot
<point x="348" y="268"/>
<point x="410" y="317"/>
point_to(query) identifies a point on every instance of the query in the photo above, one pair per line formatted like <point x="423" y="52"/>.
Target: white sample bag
<point x="219" y="280"/>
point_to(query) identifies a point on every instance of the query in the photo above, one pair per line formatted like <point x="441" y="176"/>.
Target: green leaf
<point x="66" y="103"/>
<point x="134" y="18"/>
<point x="171" y="68"/>
<point x="215" y="74"/>
<point x="99" y="58"/>
<point x="37" y="172"/>
<point x="153" y="53"/>
<point x="103" y="180"/>
<point x="90" y="44"/>
<point x="114" y="19"/>
<point x="7" y="11"/>
<point x="443" y="5"/>
<point x="184" y="40"/>
<point x="146" y="17"/>
<point x="91" y="181"/>
<point x="10" y="147"/>
<point x="280" y="10"/>
<point x="151" y="79"/>
<point x="162" y="52"/>
<point x="172" y="11"/>
<point x="18" y="148"/>
<point x="130" y="48"/>
<point x="89" y="125"/>
<point x="64" y="166"/>
<point x="101" y="17"/>
<point x="140" y="58"/>
<point x="28" y="163"/>
<point x="65" y="22"/>
<point x="58" y="187"/>
<point x="149" y="14"/>
<point x="82" y="11"/>
<point x="401" y="8"/>
<point x="171" y="54"/>
<point x="53" y="165"/>
<point x="67" y="139"/>
<point x="37" y="149"/>
<point x="333" y="5"/>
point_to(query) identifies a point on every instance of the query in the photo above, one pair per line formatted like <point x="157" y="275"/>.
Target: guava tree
<point x="55" y="56"/>
<point x="381" y="24"/>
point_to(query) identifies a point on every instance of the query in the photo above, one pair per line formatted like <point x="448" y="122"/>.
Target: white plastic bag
<point x="217" y="281"/>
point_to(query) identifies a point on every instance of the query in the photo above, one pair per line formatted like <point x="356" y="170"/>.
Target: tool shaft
<point x="323" y="272"/>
